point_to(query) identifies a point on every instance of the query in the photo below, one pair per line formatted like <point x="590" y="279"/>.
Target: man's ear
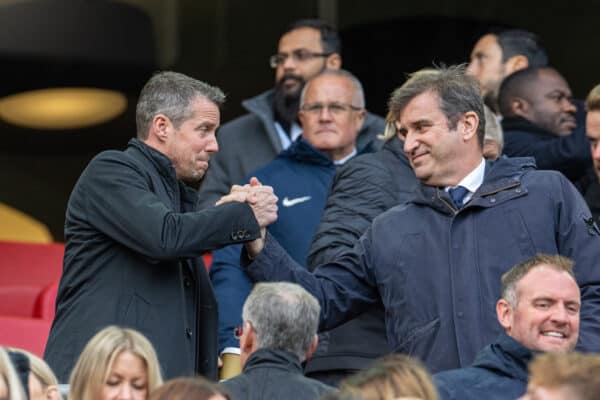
<point x="515" y="63"/>
<point x="504" y="312"/>
<point x="468" y="124"/>
<point x="248" y="339"/>
<point x="312" y="348"/>
<point x="160" y="128"/>
<point x="519" y="107"/>
<point x="333" y="61"/>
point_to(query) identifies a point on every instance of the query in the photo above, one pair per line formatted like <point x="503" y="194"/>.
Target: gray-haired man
<point x="279" y="332"/>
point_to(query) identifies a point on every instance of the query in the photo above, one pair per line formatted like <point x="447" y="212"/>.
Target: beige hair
<point x="196" y="388"/>
<point x="592" y="102"/>
<point x="493" y="130"/>
<point x="390" y="118"/>
<point x="10" y="377"/>
<point x="96" y="360"/>
<point x="576" y="372"/>
<point x="391" y="377"/>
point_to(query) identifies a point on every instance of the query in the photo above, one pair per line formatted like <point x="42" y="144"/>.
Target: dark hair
<point x="330" y="39"/>
<point x="517" y="41"/>
<point x="197" y="388"/>
<point x="458" y="93"/>
<point x="516" y="84"/>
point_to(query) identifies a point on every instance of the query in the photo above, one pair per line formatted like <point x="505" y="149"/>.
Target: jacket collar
<point x="522" y="124"/>
<point x="502" y="182"/>
<point x="162" y="163"/>
<point x="506" y="356"/>
<point x="268" y="358"/>
<point x="302" y="151"/>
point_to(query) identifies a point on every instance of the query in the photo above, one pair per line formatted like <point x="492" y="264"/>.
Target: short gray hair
<point x="284" y="316"/>
<point x="171" y="94"/>
<point x="358" y="94"/>
<point x="513" y="276"/>
<point x="493" y="129"/>
<point x="458" y="93"/>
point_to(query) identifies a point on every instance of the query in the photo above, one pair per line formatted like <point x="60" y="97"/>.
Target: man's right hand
<point x="261" y="199"/>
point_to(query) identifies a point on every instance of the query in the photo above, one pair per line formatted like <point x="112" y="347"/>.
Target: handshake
<point x="263" y="202"/>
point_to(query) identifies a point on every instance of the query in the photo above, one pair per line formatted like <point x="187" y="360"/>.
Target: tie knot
<point x="458" y="194"/>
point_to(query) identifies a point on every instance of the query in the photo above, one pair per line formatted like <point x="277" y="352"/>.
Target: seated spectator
<point x="493" y="139"/>
<point x="115" y="362"/>
<point x="540" y="121"/>
<point x="279" y="332"/>
<point x="332" y="113"/>
<point x="11" y="387"/>
<point x="564" y="376"/>
<point x="592" y="193"/>
<point x="391" y="377"/>
<point x="42" y="383"/>
<point x="539" y="311"/>
<point x="187" y="388"/>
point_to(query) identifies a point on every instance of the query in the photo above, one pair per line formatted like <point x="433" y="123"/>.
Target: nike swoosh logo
<point x="292" y="202"/>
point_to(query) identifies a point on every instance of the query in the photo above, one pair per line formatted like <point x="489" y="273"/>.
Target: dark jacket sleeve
<point x="120" y="203"/>
<point x="362" y="189"/>
<point x="232" y="286"/>
<point x="344" y="288"/>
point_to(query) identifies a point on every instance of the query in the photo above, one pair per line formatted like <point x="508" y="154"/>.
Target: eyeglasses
<point x="334" y="108"/>
<point x="299" y="55"/>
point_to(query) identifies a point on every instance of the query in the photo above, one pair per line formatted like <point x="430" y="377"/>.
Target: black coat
<point x="567" y="154"/>
<point x="132" y="258"/>
<point x="274" y="375"/>
<point x="362" y="189"/>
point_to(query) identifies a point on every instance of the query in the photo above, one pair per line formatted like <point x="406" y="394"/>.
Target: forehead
<point x="301" y="38"/>
<point x="425" y="106"/>
<point x="549" y="80"/>
<point x="487" y="44"/>
<point x="205" y="109"/>
<point x="593" y="124"/>
<point x="545" y="281"/>
<point x="329" y="88"/>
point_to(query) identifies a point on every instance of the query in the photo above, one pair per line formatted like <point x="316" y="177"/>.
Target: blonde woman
<point x="392" y="377"/>
<point x="10" y="385"/>
<point x="116" y="362"/>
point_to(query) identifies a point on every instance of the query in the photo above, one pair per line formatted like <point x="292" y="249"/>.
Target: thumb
<point x="255" y="182"/>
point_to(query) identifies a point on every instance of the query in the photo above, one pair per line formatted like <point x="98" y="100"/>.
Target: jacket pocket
<point x="419" y="340"/>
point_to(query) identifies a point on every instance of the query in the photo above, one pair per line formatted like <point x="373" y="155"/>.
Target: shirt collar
<point x="343" y="160"/>
<point x="473" y="180"/>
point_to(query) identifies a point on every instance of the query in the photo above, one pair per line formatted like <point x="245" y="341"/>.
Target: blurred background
<point x="115" y="46"/>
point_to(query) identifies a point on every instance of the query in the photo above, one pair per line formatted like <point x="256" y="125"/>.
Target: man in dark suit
<point x="134" y="237"/>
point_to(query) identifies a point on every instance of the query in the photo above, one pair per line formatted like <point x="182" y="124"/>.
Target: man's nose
<point x="569" y="107"/>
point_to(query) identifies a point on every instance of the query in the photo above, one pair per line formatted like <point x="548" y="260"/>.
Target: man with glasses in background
<point x="249" y="142"/>
<point x="331" y="113"/>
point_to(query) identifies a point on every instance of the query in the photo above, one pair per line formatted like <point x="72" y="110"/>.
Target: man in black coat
<point x="134" y="238"/>
<point x="278" y="333"/>
<point x="540" y="120"/>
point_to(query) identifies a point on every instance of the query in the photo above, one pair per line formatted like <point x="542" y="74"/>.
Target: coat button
<point x="187" y="283"/>
<point x="493" y="200"/>
<point x="188" y="331"/>
<point x="518" y="190"/>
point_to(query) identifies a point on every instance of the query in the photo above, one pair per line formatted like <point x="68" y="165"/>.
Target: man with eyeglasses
<point x="332" y="112"/>
<point x="306" y="48"/>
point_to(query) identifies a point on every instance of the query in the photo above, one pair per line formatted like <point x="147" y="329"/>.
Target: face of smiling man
<point x="546" y="314"/>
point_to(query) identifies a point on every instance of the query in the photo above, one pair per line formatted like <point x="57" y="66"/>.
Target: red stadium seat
<point x="25" y="333"/>
<point x="18" y="301"/>
<point x="45" y="306"/>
